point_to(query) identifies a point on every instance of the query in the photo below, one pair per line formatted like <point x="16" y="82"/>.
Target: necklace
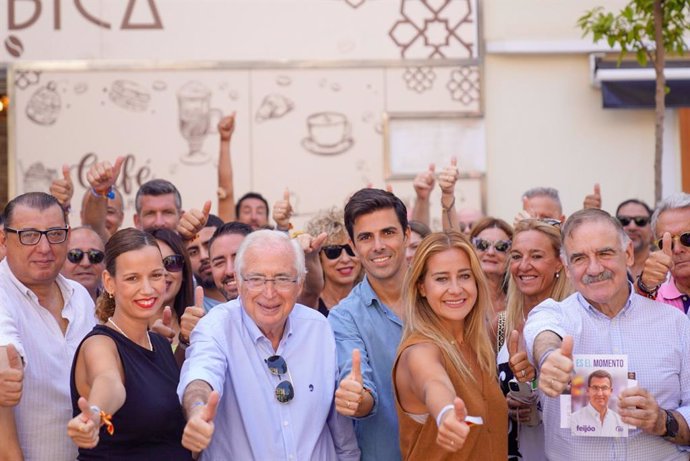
<point x="148" y="338"/>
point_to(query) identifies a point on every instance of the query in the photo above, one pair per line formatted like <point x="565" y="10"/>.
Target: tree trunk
<point x="660" y="96"/>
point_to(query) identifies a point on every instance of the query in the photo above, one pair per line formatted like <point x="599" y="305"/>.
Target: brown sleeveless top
<point x="482" y="397"/>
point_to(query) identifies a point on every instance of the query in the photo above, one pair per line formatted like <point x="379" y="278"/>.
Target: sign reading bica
<point x="25" y="16"/>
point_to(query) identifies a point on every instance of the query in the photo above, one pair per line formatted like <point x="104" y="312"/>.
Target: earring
<point x="558" y="274"/>
<point x="110" y="295"/>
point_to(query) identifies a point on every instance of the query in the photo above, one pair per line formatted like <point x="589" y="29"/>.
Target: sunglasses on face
<point x="334" y="251"/>
<point x="173" y="263"/>
<point x="683" y="238"/>
<point x="484" y="245"/>
<point x="284" y="390"/>
<point x="76" y="255"/>
<point x="640" y="221"/>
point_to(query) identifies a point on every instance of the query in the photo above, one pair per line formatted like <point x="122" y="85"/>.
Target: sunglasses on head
<point x="484" y="245"/>
<point x="640" y="221"/>
<point x="334" y="251"/>
<point x="683" y="238"/>
<point x="173" y="263"/>
<point x="284" y="390"/>
<point x="76" y="255"/>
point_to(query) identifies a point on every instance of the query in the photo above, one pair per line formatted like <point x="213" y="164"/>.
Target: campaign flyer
<point x="594" y="390"/>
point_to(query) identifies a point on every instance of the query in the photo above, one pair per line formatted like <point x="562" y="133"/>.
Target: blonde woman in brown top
<point x="445" y="369"/>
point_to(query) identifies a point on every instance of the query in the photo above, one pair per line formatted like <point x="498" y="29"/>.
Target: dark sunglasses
<point x="483" y="245"/>
<point x="640" y="221"/>
<point x="334" y="251"/>
<point x="683" y="238"/>
<point x="76" y="255"/>
<point x="284" y="390"/>
<point x="173" y="263"/>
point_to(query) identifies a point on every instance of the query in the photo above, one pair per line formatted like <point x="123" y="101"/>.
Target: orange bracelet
<point x="107" y="420"/>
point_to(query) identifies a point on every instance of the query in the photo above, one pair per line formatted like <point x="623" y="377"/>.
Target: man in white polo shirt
<point x="45" y="316"/>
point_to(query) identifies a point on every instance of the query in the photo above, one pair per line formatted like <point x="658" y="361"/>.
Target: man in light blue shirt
<point x="369" y="321"/>
<point x="605" y="316"/>
<point x="261" y="371"/>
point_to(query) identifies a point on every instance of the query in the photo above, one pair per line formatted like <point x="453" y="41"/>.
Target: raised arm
<point x="446" y="181"/>
<point x="423" y="185"/>
<point x="226" y="195"/>
<point x="101" y="178"/>
<point x="313" y="283"/>
<point x="423" y="386"/>
<point x="99" y="379"/>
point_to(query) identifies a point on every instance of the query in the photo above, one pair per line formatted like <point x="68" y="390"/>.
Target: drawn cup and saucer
<point x="330" y="133"/>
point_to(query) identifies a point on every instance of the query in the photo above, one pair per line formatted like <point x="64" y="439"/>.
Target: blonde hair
<point x="422" y="320"/>
<point x="515" y="304"/>
<point x="331" y="222"/>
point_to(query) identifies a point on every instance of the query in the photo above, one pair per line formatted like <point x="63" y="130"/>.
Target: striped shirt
<point x="45" y="407"/>
<point x="656" y="339"/>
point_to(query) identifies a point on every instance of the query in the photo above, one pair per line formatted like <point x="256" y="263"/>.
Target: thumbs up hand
<point x="658" y="264"/>
<point x="163" y="325"/>
<point x="192" y="221"/>
<point x="554" y="375"/>
<point x="282" y="212"/>
<point x="83" y="429"/>
<point x="448" y="177"/>
<point x="593" y="200"/>
<point x="453" y="430"/>
<point x="424" y="182"/>
<point x="192" y="315"/>
<point x="519" y="364"/>
<point x="226" y="127"/>
<point x="102" y="175"/>
<point x="63" y="189"/>
<point x="199" y="428"/>
<point x="350" y="392"/>
<point x="11" y="376"/>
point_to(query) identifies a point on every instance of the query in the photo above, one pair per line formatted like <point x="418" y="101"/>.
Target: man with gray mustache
<point x="606" y="316"/>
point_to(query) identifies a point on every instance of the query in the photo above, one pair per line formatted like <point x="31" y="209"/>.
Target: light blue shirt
<point x="656" y="339"/>
<point x="228" y="352"/>
<point x="210" y="303"/>
<point x="362" y="321"/>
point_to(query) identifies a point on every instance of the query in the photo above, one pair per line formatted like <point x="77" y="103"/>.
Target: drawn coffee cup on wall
<point x="197" y="120"/>
<point x="329" y="133"/>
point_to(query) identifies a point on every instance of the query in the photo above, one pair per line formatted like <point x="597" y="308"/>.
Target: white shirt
<point x="587" y="421"/>
<point x="45" y="407"/>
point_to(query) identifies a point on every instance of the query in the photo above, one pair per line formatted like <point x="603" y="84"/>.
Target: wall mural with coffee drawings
<point x="316" y="131"/>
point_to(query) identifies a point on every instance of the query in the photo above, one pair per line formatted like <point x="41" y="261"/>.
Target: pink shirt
<point x="669" y="294"/>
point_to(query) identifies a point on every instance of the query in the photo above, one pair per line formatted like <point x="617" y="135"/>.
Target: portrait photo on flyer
<point x="595" y="387"/>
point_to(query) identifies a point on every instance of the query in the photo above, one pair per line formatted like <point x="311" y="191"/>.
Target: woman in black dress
<point x="124" y="378"/>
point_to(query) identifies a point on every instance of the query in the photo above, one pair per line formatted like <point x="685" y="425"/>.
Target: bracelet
<point x="108" y="193"/>
<point x="104" y="419"/>
<point x="447" y="208"/>
<point x="184" y="342"/>
<point x="648" y="292"/>
<point x="198" y="403"/>
<point x="443" y="411"/>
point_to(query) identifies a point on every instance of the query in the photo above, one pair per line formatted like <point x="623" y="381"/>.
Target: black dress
<point x="149" y="425"/>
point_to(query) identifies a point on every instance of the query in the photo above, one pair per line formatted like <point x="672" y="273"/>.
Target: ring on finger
<point x="524" y="373"/>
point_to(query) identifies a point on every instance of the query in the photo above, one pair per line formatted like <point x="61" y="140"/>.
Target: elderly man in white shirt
<point x="44" y="316"/>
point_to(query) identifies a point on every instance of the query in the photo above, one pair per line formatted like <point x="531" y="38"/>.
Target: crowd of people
<point x="364" y="336"/>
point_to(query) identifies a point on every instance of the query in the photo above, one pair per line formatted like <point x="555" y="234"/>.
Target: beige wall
<point x="545" y="127"/>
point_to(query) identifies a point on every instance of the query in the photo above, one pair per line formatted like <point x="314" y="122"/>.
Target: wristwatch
<point x="671" y="425"/>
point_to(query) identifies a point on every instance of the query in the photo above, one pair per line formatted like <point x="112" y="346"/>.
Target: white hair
<point x="672" y="202"/>
<point x="270" y="239"/>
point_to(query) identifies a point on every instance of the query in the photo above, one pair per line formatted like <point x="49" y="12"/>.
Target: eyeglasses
<point x="683" y="238"/>
<point x="54" y="235"/>
<point x="484" y="245"/>
<point x="600" y="388"/>
<point x="173" y="263"/>
<point x="75" y="256"/>
<point x="258" y="282"/>
<point x="334" y="251"/>
<point x="284" y="390"/>
<point x="640" y="221"/>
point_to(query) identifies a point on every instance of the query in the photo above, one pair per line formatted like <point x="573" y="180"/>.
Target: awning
<point x="630" y="86"/>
